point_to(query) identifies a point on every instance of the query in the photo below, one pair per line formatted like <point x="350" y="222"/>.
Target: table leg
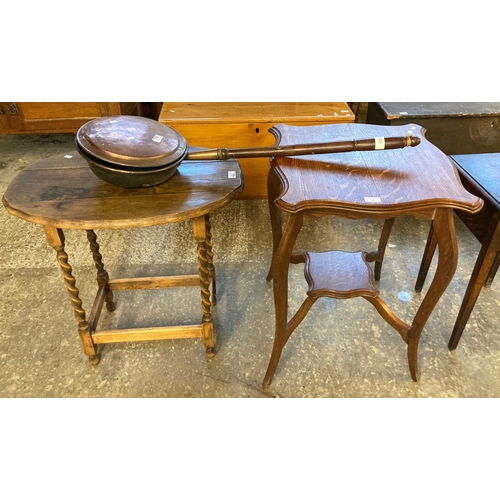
<point x="273" y="191"/>
<point x="200" y="235"/>
<point x="280" y="287"/>
<point x="55" y="238"/>
<point x="493" y="271"/>
<point x="446" y="239"/>
<point x="210" y="259"/>
<point x="482" y="269"/>
<point x="102" y="275"/>
<point x="430" y="249"/>
<point x="378" y="254"/>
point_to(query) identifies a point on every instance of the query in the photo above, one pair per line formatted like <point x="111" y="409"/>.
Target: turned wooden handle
<point x="377" y="143"/>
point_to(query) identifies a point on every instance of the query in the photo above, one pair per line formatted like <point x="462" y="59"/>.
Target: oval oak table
<point x="61" y="192"/>
<point x="419" y="181"/>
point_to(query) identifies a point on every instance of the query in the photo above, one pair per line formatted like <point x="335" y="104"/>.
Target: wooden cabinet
<point x="453" y="127"/>
<point x="246" y="124"/>
<point x="47" y="117"/>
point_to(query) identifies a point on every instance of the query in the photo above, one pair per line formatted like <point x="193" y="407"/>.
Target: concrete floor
<point x="343" y="349"/>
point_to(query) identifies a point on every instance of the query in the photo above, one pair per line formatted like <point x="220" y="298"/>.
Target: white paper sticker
<point x="231" y="174"/>
<point x="157" y="138"/>
<point x="372" y="199"/>
<point x="68" y="156"/>
<point x="379" y="143"/>
<point x="404" y="296"/>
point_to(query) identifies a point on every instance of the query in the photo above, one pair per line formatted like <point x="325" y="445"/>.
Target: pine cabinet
<point x="49" y="117"/>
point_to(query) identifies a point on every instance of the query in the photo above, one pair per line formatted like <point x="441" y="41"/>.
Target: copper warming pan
<point x="132" y="151"/>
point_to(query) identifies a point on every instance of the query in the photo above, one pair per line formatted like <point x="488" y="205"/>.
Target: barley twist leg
<point x="200" y="235"/>
<point x="102" y="275"/>
<point x="204" y="281"/>
<point x="55" y="238"/>
<point x="210" y="259"/>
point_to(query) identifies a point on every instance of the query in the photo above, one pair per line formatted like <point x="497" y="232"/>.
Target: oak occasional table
<point x="419" y="181"/>
<point x="62" y="193"/>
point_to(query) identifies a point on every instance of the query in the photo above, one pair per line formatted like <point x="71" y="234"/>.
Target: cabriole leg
<point x="280" y="289"/>
<point x="446" y="239"/>
<point x="273" y="191"/>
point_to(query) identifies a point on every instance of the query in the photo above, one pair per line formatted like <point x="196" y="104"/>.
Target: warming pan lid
<point x="131" y="141"/>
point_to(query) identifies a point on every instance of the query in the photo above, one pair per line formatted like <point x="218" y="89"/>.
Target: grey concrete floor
<point x="343" y="349"/>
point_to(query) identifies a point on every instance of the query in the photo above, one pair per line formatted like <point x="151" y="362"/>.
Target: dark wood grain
<point x="63" y="192"/>
<point x="340" y="275"/>
<point x="418" y="178"/>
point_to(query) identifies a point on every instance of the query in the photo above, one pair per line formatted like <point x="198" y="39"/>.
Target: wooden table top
<point x="380" y="182"/>
<point x="484" y="171"/>
<point x="62" y="191"/>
